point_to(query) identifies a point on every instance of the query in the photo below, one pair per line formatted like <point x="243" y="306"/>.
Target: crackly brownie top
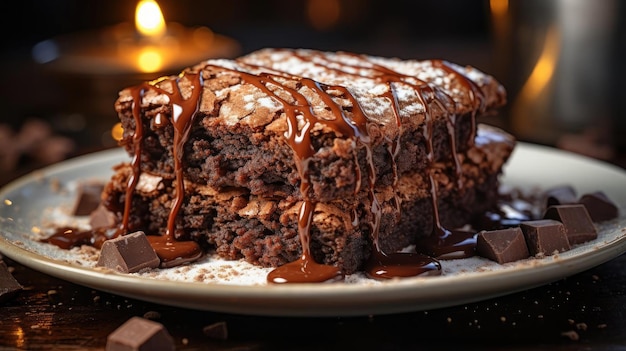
<point x="254" y="89"/>
<point x="367" y="77"/>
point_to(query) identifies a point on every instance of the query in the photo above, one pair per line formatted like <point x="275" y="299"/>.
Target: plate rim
<point x="306" y="299"/>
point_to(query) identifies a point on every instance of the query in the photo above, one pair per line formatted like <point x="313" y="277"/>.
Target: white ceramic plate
<point x="26" y="205"/>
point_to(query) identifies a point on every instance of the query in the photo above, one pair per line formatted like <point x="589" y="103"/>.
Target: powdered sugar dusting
<point x="361" y="75"/>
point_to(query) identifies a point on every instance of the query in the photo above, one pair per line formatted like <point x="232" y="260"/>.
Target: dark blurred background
<point x="562" y="61"/>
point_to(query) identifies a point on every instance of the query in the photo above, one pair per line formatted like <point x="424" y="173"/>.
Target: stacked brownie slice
<point x="281" y="149"/>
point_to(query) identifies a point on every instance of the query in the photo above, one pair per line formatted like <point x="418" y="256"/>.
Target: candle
<point x="149" y="46"/>
<point x="86" y="70"/>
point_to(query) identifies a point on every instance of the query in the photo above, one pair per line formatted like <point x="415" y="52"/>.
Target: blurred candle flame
<point x="524" y="116"/>
<point x="117" y="132"/>
<point x="544" y="68"/>
<point x="150" y="22"/>
<point x="18" y="333"/>
<point x="499" y="8"/>
<point x="150" y="59"/>
<point x="324" y="14"/>
<point x="149" y="19"/>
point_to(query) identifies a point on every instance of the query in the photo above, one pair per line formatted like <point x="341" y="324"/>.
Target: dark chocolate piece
<point x="88" y="198"/>
<point x="128" y="253"/>
<point x="599" y="206"/>
<point x="140" y="334"/>
<point x="545" y="236"/>
<point x="9" y="287"/>
<point x="561" y="195"/>
<point x="218" y="331"/>
<point x="502" y="246"/>
<point x="102" y="218"/>
<point x="576" y="220"/>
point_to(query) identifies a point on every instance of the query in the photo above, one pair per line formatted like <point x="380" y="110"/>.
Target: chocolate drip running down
<point x="183" y="111"/>
<point x="305" y="269"/>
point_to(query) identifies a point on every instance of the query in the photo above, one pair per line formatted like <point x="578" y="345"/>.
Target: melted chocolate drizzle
<point x="305" y="269"/>
<point x="441" y="244"/>
<point x="183" y="111"/>
<point x="451" y="244"/>
<point x="69" y="237"/>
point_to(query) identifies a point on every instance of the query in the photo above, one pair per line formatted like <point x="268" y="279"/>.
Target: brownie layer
<point x="237" y="137"/>
<point x="263" y="230"/>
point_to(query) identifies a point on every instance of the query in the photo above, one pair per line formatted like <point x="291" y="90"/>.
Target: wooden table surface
<point x="586" y="311"/>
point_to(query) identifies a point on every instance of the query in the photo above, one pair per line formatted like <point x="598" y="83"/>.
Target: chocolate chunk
<point x="502" y="246"/>
<point x="102" y="218"/>
<point x="88" y="198"/>
<point x="218" y="330"/>
<point x="128" y="253"/>
<point x="545" y="236"/>
<point x="576" y="220"/>
<point x="9" y="287"/>
<point x="140" y="334"/>
<point x="599" y="206"/>
<point x="560" y="195"/>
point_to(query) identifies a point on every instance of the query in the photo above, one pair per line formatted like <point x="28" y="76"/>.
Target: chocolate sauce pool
<point x="441" y="244"/>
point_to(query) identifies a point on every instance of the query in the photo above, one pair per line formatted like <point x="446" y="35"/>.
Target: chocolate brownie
<point x="293" y="156"/>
